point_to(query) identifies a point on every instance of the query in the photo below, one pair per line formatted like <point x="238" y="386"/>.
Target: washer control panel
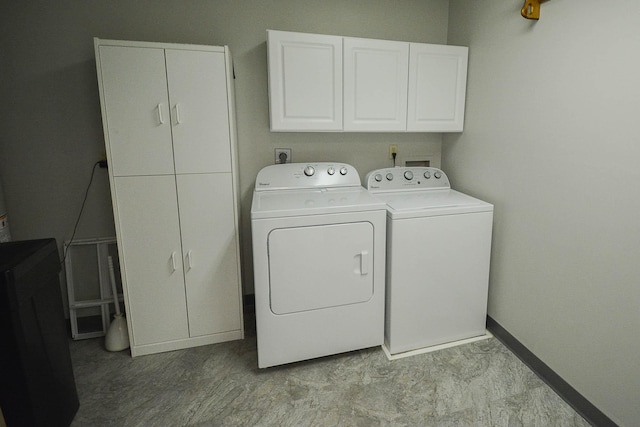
<point x="406" y="178"/>
<point x="307" y="175"/>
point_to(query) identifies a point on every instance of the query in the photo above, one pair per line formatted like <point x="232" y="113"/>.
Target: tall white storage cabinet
<point x="169" y="126"/>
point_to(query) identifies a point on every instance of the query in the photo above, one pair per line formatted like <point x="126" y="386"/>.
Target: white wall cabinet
<point x="305" y="81"/>
<point x="437" y="88"/>
<point x="375" y="85"/>
<point x="332" y="83"/>
<point x="169" y="130"/>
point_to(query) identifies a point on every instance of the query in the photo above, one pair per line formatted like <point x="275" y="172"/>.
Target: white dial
<point x="378" y="177"/>
<point x="437" y="174"/>
<point x="408" y="175"/>
<point x="331" y="171"/>
<point x="343" y="171"/>
<point x="427" y="174"/>
<point x="389" y="176"/>
<point x="309" y="171"/>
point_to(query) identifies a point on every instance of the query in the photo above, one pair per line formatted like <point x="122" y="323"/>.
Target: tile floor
<point x="477" y="384"/>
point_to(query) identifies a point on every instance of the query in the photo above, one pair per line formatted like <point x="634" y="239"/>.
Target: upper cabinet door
<point x="437" y="88"/>
<point x="375" y="85"/>
<point x="134" y="88"/>
<point x="199" y="111"/>
<point x="305" y="81"/>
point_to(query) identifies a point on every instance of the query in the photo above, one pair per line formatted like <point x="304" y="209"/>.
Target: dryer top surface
<point x="284" y="203"/>
<point x="295" y="189"/>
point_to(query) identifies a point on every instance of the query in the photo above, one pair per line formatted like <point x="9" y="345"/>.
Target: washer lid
<point x="283" y="203"/>
<point x="412" y="204"/>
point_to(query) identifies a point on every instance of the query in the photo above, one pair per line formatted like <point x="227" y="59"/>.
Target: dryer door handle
<point x="364" y="263"/>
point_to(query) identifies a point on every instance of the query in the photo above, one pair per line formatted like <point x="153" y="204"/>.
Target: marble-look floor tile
<point x="477" y="384"/>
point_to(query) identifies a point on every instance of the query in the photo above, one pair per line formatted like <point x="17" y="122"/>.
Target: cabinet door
<point x="136" y="104"/>
<point x="437" y="88"/>
<point x="305" y="81"/>
<point x="209" y="241"/>
<point x="150" y="244"/>
<point x="375" y="85"/>
<point x="199" y="111"/>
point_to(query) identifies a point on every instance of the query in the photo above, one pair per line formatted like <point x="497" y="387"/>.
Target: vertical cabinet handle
<point x="178" y="116"/>
<point x="190" y="260"/>
<point x="160" y="116"/>
<point x="174" y="266"/>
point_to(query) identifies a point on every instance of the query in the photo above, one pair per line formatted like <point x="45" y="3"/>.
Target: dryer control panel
<point x="290" y="176"/>
<point x="406" y="178"/>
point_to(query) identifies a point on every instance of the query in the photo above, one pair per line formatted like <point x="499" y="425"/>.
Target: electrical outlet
<point x="282" y="155"/>
<point x="393" y="149"/>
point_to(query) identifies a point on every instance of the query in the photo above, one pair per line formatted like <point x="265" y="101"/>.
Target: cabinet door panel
<point x="210" y="252"/>
<point x="150" y="245"/>
<point x="137" y="110"/>
<point x="375" y="85"/>
<point x="305" y="81"/>
<point x="437" y="88"/>
<point x="199" y="111"/>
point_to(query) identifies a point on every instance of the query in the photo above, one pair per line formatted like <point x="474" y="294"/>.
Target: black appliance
<point x="37" y="387"/>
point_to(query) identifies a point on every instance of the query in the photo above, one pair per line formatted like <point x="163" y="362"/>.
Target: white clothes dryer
<point x="319" y="262"/>
<point x="438" y="253"/>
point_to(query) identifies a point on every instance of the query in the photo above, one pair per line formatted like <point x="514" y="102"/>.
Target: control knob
<point x="343" y="170"/>
<point x="378" y="177"/>
<point x="309" y="171"/>
<point x="389" y="176"/>
<point x="427" y="174"/>
<point x="408" y="175"/>
<point x="331" y="171"/>
<point x="437" y="174"/>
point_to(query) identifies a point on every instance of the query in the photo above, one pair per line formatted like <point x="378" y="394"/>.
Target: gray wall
<point x="51" y="135"/>
<point x="551" y="139"/>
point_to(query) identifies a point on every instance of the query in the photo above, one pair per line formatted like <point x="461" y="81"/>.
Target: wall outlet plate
<point x="282" y="151"/>
<point x="393" y="149"/>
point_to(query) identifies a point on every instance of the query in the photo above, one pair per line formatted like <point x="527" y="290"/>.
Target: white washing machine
<point x="438" y="252"/>
<point x="319" y="262"/>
